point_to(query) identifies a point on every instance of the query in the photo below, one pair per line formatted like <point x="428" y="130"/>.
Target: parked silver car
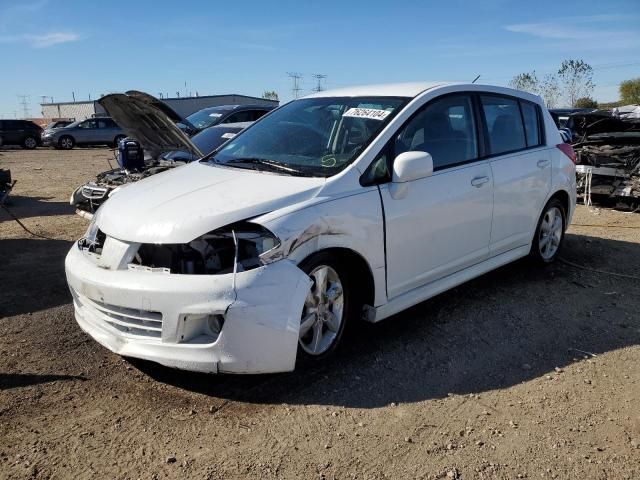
<point x="92" y="131"/>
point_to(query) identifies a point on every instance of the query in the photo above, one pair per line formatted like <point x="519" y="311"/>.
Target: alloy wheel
<point x="550" y="233"/>
<point x="323" y="311"/>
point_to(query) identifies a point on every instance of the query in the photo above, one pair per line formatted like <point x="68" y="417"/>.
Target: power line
<point x="319" y="77"/>
<point x="295" y="77"/>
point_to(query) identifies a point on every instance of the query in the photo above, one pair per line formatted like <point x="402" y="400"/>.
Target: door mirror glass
<point x="410" y="166"/>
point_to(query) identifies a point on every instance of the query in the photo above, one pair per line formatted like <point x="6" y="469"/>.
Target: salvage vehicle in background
<point x="20" y="132"/>
<point x="608" y="157"/>
<point x="154" y="144"/>
<point x="88" y="197"/>
<point x="341" y="206"/>
<point x="92" y="131"/>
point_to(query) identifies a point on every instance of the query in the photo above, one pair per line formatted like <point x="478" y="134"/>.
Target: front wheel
<point x="329" y="306"/>
<point x="550" y="232"/>
<point x="66" y="143"/>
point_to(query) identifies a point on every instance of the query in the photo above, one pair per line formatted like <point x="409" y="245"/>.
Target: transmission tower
<point x="24" y="102"/>
<point x="319" y="78"/>
<point x="295" y="89"/>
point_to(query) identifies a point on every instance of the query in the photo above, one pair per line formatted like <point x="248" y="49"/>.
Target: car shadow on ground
<point x="504" y="328"/>
<point x="15" y="380"/>
<point x="27" y="207"/>
<point x="32" y="275"/>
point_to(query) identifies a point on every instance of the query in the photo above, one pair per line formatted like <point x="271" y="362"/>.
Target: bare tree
<point x="550" y="90"/>
<point x="576" y="77"/>
<point x="527" y="82"/>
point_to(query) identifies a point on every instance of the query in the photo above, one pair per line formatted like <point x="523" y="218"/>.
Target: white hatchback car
<point x="345" y="205"/>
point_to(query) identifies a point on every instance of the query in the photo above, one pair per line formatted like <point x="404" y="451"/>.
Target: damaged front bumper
<point x="164" y="317"/>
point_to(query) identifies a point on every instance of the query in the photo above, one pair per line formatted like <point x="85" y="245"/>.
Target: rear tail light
<point x="568" y="151"/>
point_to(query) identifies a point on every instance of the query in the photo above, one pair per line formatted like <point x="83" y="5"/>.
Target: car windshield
<point x="310" y="137"/>
<point x="207" y="141"/>
<point x="207" y="117"/>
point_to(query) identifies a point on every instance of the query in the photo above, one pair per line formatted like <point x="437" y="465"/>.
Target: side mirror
<point x="410" y="166"/>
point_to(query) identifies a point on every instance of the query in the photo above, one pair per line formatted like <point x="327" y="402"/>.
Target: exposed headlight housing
<point x="93" y="239"/>
<point x="238" y="247"/>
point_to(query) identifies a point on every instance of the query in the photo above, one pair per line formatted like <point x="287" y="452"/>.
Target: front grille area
<point x="93" y="192"/>
<point x="139" y="323"/>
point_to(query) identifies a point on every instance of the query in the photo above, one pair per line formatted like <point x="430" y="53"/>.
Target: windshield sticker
<point x="228" y="135"/>
<point x="215" y="115"/>
<point x="370" y="113"/>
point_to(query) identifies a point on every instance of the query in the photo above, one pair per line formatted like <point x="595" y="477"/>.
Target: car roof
<point x="411" y="89"/>
<point x="238" y="107"/>
<point x="414" y="89"/>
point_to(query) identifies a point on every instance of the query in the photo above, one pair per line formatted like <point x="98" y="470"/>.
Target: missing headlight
<point x="212" y="253"/>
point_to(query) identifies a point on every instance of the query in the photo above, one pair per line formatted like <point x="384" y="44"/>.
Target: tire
<point x="66" y="142"/>
<point x="116" y="141"/>
<point x="343" y="315"/>
<point x="29" y="142"/>
<point x="549" y="232"/>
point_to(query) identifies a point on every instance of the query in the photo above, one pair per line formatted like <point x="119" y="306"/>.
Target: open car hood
<point x="150" y="121"/>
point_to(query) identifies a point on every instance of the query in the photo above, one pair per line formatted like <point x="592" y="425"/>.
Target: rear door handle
<point x="543" y="163"/>
<point x="479" y="181"/>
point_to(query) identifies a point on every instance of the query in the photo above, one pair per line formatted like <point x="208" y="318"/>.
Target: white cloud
<point x="41" y="41"/>
<point x="592" y="29"/>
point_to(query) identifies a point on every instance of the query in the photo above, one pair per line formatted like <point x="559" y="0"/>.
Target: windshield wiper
<point x="267" y="163"/>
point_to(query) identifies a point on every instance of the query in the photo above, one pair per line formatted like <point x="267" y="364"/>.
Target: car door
<point x="440" y="224"/>
<point x="104" y="133"/>
<point x="85" y="131"/>
<point x="13" y="132"/>
<point x="521" y="167"/>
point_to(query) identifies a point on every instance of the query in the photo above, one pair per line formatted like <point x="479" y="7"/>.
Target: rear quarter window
<point x="530" y="115"/>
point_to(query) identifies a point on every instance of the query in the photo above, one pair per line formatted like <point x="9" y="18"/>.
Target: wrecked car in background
<point x="608" y="158"/>
<point x="345" y="205"/>
<point x="154" y="144"/>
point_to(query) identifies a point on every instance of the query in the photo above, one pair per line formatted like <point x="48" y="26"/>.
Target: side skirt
<point x="420" y="294"/>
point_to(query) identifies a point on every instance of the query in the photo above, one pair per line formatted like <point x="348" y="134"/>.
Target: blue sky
<point x="54" y="47"/>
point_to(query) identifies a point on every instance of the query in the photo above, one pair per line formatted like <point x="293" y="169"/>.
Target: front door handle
<point x="543" y="163"/>
<point x="479" y="181"/>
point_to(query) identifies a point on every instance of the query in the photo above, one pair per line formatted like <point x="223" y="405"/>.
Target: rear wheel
<point x="550" y="232"/>
<point x="66" y="142"/>
<point x="29" y="143"/>
<point x="330" y="305"/>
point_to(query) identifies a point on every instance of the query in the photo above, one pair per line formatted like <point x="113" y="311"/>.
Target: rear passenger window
<point x="258" y="113"/>
<point x="445" y="129"/>
<point x="504" y="124"/>
<point x="530" y="116"/>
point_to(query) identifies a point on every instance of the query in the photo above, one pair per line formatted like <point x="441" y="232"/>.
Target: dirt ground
<point x="526" y="372"/>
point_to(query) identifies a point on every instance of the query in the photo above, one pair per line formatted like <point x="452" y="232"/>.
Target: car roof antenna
<point x="474" y="80"/>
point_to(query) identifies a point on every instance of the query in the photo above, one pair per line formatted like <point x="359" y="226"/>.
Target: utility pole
<point x="319" y="77"/>
<point x="295" y="89"/>
<point x="24" y="102"/>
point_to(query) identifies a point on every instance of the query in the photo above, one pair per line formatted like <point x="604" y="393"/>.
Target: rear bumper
<point x="160" y="316"/>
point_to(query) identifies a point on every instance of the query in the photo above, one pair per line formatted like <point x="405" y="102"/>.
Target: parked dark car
<point x="208" y="117"/>
<point x="92" y="131"/>
<point x="20" y="132"/>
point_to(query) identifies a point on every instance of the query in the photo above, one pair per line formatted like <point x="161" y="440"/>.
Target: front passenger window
<point x="444" y="128"/>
